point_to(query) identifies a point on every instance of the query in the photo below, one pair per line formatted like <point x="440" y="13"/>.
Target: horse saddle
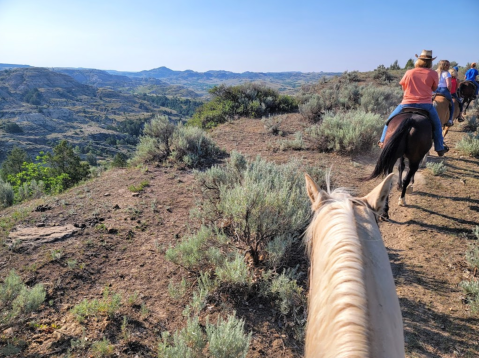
<point x="416" y="111"/>
<point x="472" y="83"/>
<point x="440" y="94"/>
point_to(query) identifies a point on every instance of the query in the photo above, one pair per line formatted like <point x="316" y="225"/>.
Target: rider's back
<point x="418" y="85"/>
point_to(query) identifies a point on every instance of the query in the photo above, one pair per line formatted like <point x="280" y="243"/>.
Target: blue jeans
<point x="436" y="127"/>
<point x="445" y="92"/>
<point x="461" y="105"/>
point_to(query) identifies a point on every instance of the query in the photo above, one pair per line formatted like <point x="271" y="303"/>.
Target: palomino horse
<point x="441" y="104"/>
<point x="353" y="309"/>
<point x="409" y="135"/>
<point x="466" y="91"/>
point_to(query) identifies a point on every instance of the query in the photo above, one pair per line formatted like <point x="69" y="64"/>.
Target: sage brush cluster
<point x="469" y="144"/>
<point x="348" y="132"/>
<point x="164" y="141"/>
<point x="17" y="300"/>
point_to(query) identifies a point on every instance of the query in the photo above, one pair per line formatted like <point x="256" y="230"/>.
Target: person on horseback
<point x="418" y="85"/>
<point x="444" y="87"/>
<point x="471" y="75"/>
<point x="454" y="86"/>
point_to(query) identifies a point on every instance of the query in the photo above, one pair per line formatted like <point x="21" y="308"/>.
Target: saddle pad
<point x="410" y="112"/>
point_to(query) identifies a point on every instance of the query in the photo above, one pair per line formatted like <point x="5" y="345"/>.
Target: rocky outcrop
<point x="36" y="236"/>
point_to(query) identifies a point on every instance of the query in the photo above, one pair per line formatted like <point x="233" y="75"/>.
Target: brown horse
<point x="409" y="135"/>
<point x="466" y="91"/>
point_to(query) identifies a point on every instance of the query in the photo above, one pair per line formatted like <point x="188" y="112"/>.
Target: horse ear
<point x="376" y="199"/>
<point x="313" y="191"/>
<point x="311" y="188"/>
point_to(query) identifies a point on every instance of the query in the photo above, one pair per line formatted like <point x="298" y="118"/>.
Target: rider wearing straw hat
<point x="418" y="85"/>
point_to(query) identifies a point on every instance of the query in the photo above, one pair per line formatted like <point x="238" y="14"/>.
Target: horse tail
<point x="390" y="154"/>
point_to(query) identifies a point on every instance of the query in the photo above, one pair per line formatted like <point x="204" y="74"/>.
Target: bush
<point x="164" y="141"/>
<point x="246" y="100"/>
<point x="471" y="289"/>
<point x="296" y="144"/>
<point x="254" y="201"/>
<point x="349" y="96"/>
<point x="13" y="164"/>
<point x="349" y="132"/>
<point x="436" y="168"/>
<point x="17" y="300"/>
<point x="272" y="124"/>
<point x="472" y="255"/>
<point x="382" y="75"/>
<point x="6" y="194"/>
<point x="469" y="144"/>
<point x="381" y="100"/>
<point x="312" y="109"/>
<point x="226" y="338"/>
<point x="233" y="272"/>
<point x="472" y="124"/>
<point x="193" y="147"/>
<point x="12" y="128"/>
<point x="108" y="305"/>
<point x="102" y="348"/>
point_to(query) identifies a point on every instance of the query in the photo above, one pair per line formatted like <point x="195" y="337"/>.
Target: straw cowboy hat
<point x="426" y="55"/>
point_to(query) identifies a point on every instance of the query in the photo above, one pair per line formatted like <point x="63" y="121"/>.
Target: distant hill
<point x="4" y="66"/>
<point x="202" y="81"/>
<point x="99" y="78"/>
<point x="44" y="106"/>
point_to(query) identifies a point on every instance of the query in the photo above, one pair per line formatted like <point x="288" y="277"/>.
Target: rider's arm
<point x="448" y="83"/>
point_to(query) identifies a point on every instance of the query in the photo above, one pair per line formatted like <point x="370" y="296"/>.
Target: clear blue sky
<point x="235" y="35"/>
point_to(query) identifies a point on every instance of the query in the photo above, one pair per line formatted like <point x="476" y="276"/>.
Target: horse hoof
<point x="409" y="189"/>
<point x="402" y="202"/>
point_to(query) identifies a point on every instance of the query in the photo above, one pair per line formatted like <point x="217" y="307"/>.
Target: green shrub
<point x="296" y="144"/>
<point x="227" y="339"/>
<point x="272" y="124"/>
<point x="16" y="299"/>
<point x="233" y="272"/>
<point x="13" y="164"/>
<point x="469" y="144"/>
<point x="382" y="75"/>
<point x="349" y="77"/>
<point x="471" y="289"/>
<point x="31" y="190"/>
<point x="350" y="132"/>
<point x="255" y="201"/>
<point x="164" y="141"/>
<point x="12" y="128"/>
<point x="472" y="124"/>
<point x="472" y="255"/>
<point x="108" y="305"/>
<point x="197" y="250"/>
<point x="381" y="100"/>
<point x="349" y="96"/>
<point x="192" y="146"/>
<point x="139" y="187"/>
<point x="245" y="100"/>
<point x="6" y="194"/>
<point x="102" y="348"/>
<point x="312" y="109"/>
<point x="436" y="168"/>
<point x="186" y="343"/>
<point x="120" y="160"/>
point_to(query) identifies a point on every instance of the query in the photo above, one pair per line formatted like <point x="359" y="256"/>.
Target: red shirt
<point x="453" y="85"/>
<point x="418" y="85"/>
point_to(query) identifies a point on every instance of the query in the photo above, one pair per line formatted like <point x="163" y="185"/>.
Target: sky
<point x="236" y="35"/>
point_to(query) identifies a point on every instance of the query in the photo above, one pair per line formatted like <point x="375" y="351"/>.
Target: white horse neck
<point x="353" y="308"/>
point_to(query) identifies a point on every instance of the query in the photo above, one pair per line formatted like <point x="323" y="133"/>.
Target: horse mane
<point x="339" y="307"/>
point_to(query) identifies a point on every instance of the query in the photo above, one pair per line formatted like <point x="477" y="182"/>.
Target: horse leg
<point x="413" y="167"/>
<point x="467" y="106"/>
<point x="401" y="166"/>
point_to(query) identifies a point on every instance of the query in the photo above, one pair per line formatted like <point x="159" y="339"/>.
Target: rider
<point x="454" y="86"/>
<point x="418" y="84"/>
<point x="471" y="75"/>
<point x="444" y="86"/>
